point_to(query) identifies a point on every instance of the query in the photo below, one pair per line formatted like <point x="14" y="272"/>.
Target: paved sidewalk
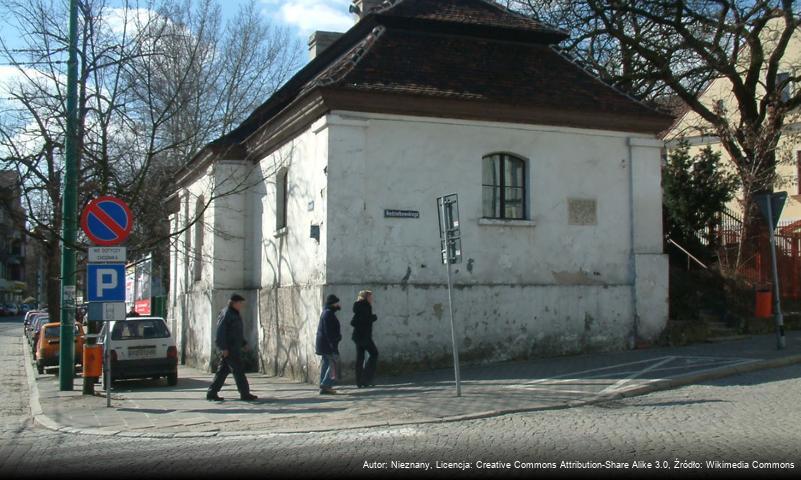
<point x="150" y="408"/>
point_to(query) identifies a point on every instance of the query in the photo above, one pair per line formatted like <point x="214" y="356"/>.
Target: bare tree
<point x="652" y="48"/>
<point x="157" y="82"/>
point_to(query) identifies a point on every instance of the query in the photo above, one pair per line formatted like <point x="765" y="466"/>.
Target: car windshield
<point x="41" y="321"/>
<point x="139" y="329"/>
<point x="55" y="331"/>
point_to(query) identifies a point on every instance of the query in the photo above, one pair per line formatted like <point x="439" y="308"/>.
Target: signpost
<point x="69" y="206"/>
<point x="107" y="221"/>
<point x="771" y="205"/>
<point x="451" y="252"/>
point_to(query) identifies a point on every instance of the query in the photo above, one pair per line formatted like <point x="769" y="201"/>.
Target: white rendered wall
<point x="527" y="288"/>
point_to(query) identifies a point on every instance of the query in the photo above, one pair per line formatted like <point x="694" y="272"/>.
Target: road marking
<point x="631" y="377"/>
<point x="600" y="377"/>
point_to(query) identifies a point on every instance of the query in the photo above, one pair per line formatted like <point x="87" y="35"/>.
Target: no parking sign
<point x="107" y="221"/>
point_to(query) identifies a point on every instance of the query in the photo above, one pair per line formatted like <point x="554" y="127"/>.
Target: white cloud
<point x="129" y="20"/>
<point x="310" y="15"/>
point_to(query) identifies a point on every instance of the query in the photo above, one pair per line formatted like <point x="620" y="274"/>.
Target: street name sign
<point x="107" y="254"/>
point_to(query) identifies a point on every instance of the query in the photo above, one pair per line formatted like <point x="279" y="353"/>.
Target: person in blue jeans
<point x="327" y="344"/>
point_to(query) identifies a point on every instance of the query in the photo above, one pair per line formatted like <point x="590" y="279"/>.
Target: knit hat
<point x="237" y="298"/>
<point x="331" y="299"/>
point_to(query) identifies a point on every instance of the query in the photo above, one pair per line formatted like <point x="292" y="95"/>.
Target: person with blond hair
<point x="363" y="319"/>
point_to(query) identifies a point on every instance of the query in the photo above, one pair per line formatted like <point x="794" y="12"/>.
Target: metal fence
<point x="754" y="264"/>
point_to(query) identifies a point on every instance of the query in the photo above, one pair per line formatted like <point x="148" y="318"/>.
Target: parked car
<point x="29" y="318"/>
<point x="36" y="327"/>
<point x="47" y="348"/>
<point x="29" y="321"/>
<point x="4" y="311"/>
<point x="141" y="347"/>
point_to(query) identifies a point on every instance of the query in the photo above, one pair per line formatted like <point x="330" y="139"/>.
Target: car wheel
<point x="172" y="379"/>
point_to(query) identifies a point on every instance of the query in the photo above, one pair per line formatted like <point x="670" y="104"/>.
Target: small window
<point x="281" y="191"/>
<point x="798" y="170"/>
<point x="504" y="187"/>
<point x="199" y="228"/>
<point x="783" y="79"/>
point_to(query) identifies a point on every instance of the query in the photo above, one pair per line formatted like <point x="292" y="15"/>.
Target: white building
<point x="423" y="98"/>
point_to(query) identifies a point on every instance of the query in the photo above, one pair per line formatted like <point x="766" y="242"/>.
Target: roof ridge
<point x="562" y="53"/>
<point x="508" y="10"/>
<point x="346" y="62"/>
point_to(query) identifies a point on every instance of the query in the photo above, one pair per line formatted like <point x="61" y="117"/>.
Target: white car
<point x="141" y="347"/>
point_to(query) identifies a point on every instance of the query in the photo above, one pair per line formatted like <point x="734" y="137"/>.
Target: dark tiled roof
<point x="467" y="50"/>
<point x="474" y="12"/>
<point x="478" y="69"/>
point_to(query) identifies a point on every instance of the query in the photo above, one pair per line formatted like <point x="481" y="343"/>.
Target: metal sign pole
<point x="779" y="318"/>
<point x="107" y="367"/>
<point x="446" y="254"/>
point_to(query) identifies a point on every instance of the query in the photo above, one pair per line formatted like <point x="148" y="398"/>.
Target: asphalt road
<point x="743" y="419"/>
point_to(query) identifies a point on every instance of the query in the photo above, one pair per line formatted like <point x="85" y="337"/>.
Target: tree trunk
<point x="53" y="275"/>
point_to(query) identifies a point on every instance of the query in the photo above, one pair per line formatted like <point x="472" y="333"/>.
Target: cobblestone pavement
<point x="752" y="417"/>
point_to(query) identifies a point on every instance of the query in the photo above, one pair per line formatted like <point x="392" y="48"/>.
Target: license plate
<point x="141" y="352"/>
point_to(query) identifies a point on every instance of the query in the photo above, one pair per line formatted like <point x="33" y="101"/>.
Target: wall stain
<point x="470" y="262"/>
<point x="588" y="320"/>
<point x="405" y="279"/>
<point x="438" y="311"/>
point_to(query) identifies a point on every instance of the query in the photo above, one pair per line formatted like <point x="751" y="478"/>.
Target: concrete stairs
<point x="720" y="332"/>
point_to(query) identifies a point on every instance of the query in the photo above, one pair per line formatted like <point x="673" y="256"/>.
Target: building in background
<point x="719" y="96"/>
<point x="143" y="288"/>
<point x="12" y="240"/>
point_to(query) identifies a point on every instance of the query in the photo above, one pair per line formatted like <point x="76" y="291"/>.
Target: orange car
<point x="46" y="354"/>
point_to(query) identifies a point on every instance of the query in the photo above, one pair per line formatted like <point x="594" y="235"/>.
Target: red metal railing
<point x="754" y="264"/>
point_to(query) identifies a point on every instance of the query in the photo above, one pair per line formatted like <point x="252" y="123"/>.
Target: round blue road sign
<point x="107" y="221"/>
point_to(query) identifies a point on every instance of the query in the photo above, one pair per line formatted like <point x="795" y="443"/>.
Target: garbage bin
<point x="92" y="361"/>
<point x="764" y="304"/>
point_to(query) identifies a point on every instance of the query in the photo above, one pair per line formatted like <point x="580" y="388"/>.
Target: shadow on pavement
<point x="265" y="410"/>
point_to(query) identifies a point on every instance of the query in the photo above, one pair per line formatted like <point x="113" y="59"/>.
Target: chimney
<point x="362" y="8"/>
<point x="319" y="41"/>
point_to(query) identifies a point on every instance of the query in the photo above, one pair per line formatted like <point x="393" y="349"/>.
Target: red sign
<point x="142" y="307"/>
<point x="107" y="221"/>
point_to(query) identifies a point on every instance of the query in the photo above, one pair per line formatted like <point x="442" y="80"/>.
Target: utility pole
<point x="66" y="359"/>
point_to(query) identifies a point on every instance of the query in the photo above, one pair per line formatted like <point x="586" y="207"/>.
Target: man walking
<point x="327" y="345"/>
<point x="231" y="340"/>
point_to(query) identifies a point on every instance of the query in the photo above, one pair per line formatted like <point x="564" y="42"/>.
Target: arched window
<point x="200" y="207"/>
<point x="504" y="187"/>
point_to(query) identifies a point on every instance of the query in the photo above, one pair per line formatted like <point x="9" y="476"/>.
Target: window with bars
<point x="281" y="197"/>
<point x="783" y="78"/>
<point x="200" y="225"/>
<point x="504" y="187"/>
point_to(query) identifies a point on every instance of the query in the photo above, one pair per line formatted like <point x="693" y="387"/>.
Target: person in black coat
<point x="363" y="319"/>
<point x="231" y="341"/>
<point x="327" y="344"/>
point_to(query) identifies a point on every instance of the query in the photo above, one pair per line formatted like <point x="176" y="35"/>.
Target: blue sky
<point x="302" y="16"/>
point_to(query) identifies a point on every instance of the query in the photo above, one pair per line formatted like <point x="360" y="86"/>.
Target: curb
<point x="41" y="419"/>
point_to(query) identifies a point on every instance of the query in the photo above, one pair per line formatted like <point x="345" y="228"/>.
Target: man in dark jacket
<point x="363" y="319"/>
<point x="327" y="344"/>
<point x="231" y="340"/>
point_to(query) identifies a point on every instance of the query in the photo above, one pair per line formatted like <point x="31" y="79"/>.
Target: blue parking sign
<point x="105" y="282"/>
